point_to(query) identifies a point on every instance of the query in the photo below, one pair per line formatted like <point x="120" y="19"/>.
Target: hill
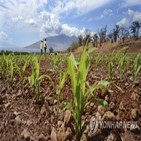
<point x="58" y="43"/>
<point x="108" y="47"/>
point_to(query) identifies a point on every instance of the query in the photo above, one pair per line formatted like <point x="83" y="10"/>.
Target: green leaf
<point x="73" y="60"/>
<point x="71" y="72"/>
<point x="102" y="102"/>
<point x="90" y="50"/>
<point x="69" y="106"/>
<point x="119" y="88"/>
<point x="103" y="83"/>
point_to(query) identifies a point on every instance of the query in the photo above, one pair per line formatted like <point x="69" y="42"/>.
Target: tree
<point x="135" y="27"/>
<point x="73" y="47"/>
<point x="123" y="33"/>
<point x="102" y="35"/>
<point x="87" y="37"/>
<point x="110" y="37"/>
<point x="95" y="39"/>
<point x="80" y="40"/>
<point x="116" y="32"/>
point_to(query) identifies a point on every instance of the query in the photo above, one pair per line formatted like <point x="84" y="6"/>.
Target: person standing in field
<point x="45" y="45"/>
<point x="41" y="46"/>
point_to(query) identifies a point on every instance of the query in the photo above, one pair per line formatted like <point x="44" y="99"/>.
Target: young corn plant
<point x="98" y="59"/>
<point x="121" y="61"/>
<point x="56" y="61"/>
<point x="136" y="68"/>
<point x="127" y="60"/>
<point x="4" y="65"/>
<point x="35" y="78"/>
<point x="78" y="74"/>
<point x="121" y="66"/>
<point x="58" y="90"/>
<point x="62" y="79"/>
<point x="21" y="70"/>
<point x="11" y="69"/>
<point x="110" y="69"/>
<point x="7" y="66"/>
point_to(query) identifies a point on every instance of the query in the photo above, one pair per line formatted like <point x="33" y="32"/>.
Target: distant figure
<point x="41" y="46"/>
<point x="51" y="50"/>
<point x="45" y="45"/>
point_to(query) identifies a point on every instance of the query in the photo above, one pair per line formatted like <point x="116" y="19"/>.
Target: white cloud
<point x="52" y="26"/>
<point x="24" y="8"/>
<point x="24" y="13"/>
<point x="80" y="6"/>
<point x="123" y="22"/>
<point x="21" y="12"/>
<point x="70" y="31"/>
<point x="3" y="36"/>
<point x="134" y="15"/>
<point x="106" y="12"/>
<point x="31" y="22"/>
<point x="16" y="19"/>
<point x="128" y="3"/>
<point x="130" y="16"/>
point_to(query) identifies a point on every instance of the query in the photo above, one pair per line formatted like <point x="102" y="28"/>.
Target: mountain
<point x="58" y="43"/>
<point x="8" y="46"/>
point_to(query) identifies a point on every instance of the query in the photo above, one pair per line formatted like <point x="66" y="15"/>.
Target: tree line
<point x="116" y="34"/>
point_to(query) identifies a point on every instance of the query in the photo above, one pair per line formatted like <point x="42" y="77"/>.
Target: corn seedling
<point x="11" y="69"/>
<point x="121" y="62"/>
<point x="7" y="66"/>
<point x="110" y="69"/>
<point x="116" y="56"/>
<point x="78" y="73"/>
<point x="98" y="59"/>
<point x="127" y="60"/>
<point x="21" y="70"/>
<point x="62" y="79"/>
<point x="35" y="78"/>
<point x="121" y="66"/>
<point x="56" y="61"/>
<point x="136" y="68"/>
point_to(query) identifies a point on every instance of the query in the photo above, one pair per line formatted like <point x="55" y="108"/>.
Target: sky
<point x="23" y="22"/>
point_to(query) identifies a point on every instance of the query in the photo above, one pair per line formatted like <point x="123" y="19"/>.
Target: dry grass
<point x="108" y="47"/>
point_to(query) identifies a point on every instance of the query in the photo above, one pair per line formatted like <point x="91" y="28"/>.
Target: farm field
<point x="59" y="98"/>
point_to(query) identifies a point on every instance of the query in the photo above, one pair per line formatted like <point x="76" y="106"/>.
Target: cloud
<point x="3" y="36"/>
<point x="106" y="12"/>
<point x="134" y="15"/>
<point x="129" y="17"/>
<point x="16" y="19"/>
<point x="70" y="31"/>
<point x="128" y="3"/>
<point x="23" y="8"/>
<point x="52" y="26"/>
<point x="31" y="22"/>
<point x="21" y="12"/>
<point x="81" y="7"/>
<point x="123" y="22"/>
<point x="46" y="18"/>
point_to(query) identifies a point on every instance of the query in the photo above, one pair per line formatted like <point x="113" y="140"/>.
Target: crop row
<point x="77" y="70"/>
